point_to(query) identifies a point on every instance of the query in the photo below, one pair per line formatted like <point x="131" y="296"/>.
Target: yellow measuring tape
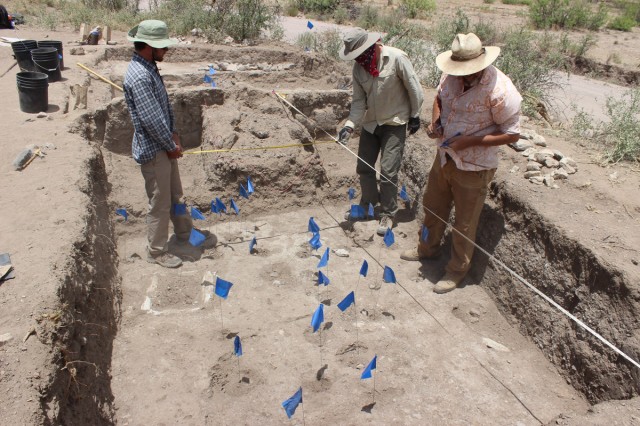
<point x="294" y="145"/>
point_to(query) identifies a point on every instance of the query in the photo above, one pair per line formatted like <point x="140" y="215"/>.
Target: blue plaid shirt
<point x="150" y="110"/>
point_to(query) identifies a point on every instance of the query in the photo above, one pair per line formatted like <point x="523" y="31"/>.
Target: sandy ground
<point x="175" y="365"/>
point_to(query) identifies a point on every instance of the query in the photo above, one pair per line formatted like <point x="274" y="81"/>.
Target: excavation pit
<point x="442" y="359"/>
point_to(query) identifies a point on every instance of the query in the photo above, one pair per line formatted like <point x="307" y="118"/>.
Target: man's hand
<point x="413" y="125"/>
<point x="176" y="153"/>
<point x="458" y="143"/>
<point x="344" y="135"/>
<point x="434" y="130"/>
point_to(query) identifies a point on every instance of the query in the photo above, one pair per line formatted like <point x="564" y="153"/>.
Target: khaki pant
<point x="467" y="190"/>
<point x="388" y="141"/>
<point x="163" y="186"/>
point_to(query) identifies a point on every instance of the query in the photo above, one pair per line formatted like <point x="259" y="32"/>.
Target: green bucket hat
<point x="154" y="33"/>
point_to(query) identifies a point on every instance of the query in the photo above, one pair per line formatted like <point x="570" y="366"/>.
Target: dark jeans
<point x="388" y="141"/>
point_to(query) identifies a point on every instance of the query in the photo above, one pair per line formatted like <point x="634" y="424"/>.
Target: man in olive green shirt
<point x="387" y="98"/>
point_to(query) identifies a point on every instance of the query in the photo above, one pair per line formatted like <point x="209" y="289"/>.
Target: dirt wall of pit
<point x="596" y="292"/>
<point x="81" y="331"/>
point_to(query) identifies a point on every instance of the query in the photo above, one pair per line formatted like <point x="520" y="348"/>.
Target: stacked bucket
<point x="40" y="63"/>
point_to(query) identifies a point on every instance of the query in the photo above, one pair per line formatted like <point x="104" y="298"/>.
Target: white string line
<point x="521" y="279"/>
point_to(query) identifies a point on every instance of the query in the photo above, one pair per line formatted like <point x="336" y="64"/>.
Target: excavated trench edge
<point x="82" y="333"/>
<point x="575" y="277"/>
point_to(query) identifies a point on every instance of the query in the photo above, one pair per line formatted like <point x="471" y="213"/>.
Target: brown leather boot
<point x="414" y="255"/>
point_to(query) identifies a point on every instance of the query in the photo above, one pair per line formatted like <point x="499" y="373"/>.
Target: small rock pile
<point x="226" y="66"/>
<point x="545" y="165"/>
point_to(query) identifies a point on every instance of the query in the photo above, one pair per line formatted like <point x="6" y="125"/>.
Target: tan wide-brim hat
<point x="356" y="42"/>
<point x="154" y="33"/>
<point x="467" y="56"/>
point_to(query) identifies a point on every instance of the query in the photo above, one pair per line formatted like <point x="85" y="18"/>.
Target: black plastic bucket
<point x="33" y="91"/>
<point x="22" y="52"/>
<point x="46" y="60"/>
<point x="57" y="45"/>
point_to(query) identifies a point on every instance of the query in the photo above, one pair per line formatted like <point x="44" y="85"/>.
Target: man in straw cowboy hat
<point x="156" y="144"/>
<point x="387" y="98"/>
<point x="476" y="109"/>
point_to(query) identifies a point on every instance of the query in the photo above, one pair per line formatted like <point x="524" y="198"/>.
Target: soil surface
<point x="92" y="334"/>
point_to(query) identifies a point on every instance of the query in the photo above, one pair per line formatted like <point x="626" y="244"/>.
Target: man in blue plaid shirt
<point x="156" y="145"/>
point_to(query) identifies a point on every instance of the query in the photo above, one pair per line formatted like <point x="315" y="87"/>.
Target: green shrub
<point x="546" y="14"/>
<point x="525" y="2"/>
<point x="415" y="8"/>
<point x="369" y="17"/>
<point x="340" y="15"/>
<point x="489" y="1"/>
<point x="445" y="31"/>
<point x="326" y="42"/>
<point x="292" y="8"/>
<point x="623" y="23"/>
<point x="530" y="65"/>
<point x="619" y="133"/>
<point x="410" y="38"/>
<point x="318" y="6"/>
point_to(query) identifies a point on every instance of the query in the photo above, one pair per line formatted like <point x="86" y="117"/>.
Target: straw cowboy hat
<point x="467" y="56"/>
<point x="154" y="33"/>
<point x="356" y="42"/>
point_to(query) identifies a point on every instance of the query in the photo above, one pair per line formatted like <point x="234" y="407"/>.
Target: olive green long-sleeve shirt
<point x="391" y="98"/>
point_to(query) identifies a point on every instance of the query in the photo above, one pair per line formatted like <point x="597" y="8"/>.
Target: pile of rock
<point x="544" y="165"/>
<point x="226" y="66"/>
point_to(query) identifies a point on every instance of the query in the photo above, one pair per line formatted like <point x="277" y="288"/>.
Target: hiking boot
<point x="386" y="222"/>
<point x="413" y="255"/>
<point x="447" y="283"/>
<point x="166" y="260"/>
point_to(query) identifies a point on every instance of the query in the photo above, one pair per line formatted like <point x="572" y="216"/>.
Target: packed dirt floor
<point x="90" y="333"/>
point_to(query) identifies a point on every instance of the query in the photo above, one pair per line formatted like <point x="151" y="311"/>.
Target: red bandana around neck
<point x="369" y="61"/>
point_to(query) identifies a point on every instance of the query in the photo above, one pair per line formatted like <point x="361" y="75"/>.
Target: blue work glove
<point x="344" y="135"/>
<point x="413" y="125"/>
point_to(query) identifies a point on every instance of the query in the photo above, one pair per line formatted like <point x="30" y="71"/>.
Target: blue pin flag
<point x="364" y="268"/>
<point x="196" y="238"/>
<point x="123" y="213"/>
<point x="222" y="287"/>
<point x="243" y="192"/>
<point x="424" y="233"/>
<point x="214" y="207"/>
<point x="220" y="205"/>
<point x="323" y="279"/>
<point x="234" y="206"/>
<point x="356" y="212"/>
<point x="212" y="70"/>
<point x="352" y="193"/>
<point x="179" y="209"/>
<point x="389" y="276"/>
<point x="371" y="212"/>
<point x="309" y="25"/>
<point x="292" y="403"/>
<point x="366" y="374"/>
<point x="403" y="193"/>
<point x="318" y="318"/>
<point x="315" y="241"/>
<point x="389" y="239"/>
<point x="207" y="79"/>
<point x="237" y="346"/>
<point x="347" y="301"/>
<point x="250" y="188"/>
<point x="252" y="245"/>
<point x="325" y="259"/>
<point x="313" y="226"/>
<point x="196" y="214"/>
